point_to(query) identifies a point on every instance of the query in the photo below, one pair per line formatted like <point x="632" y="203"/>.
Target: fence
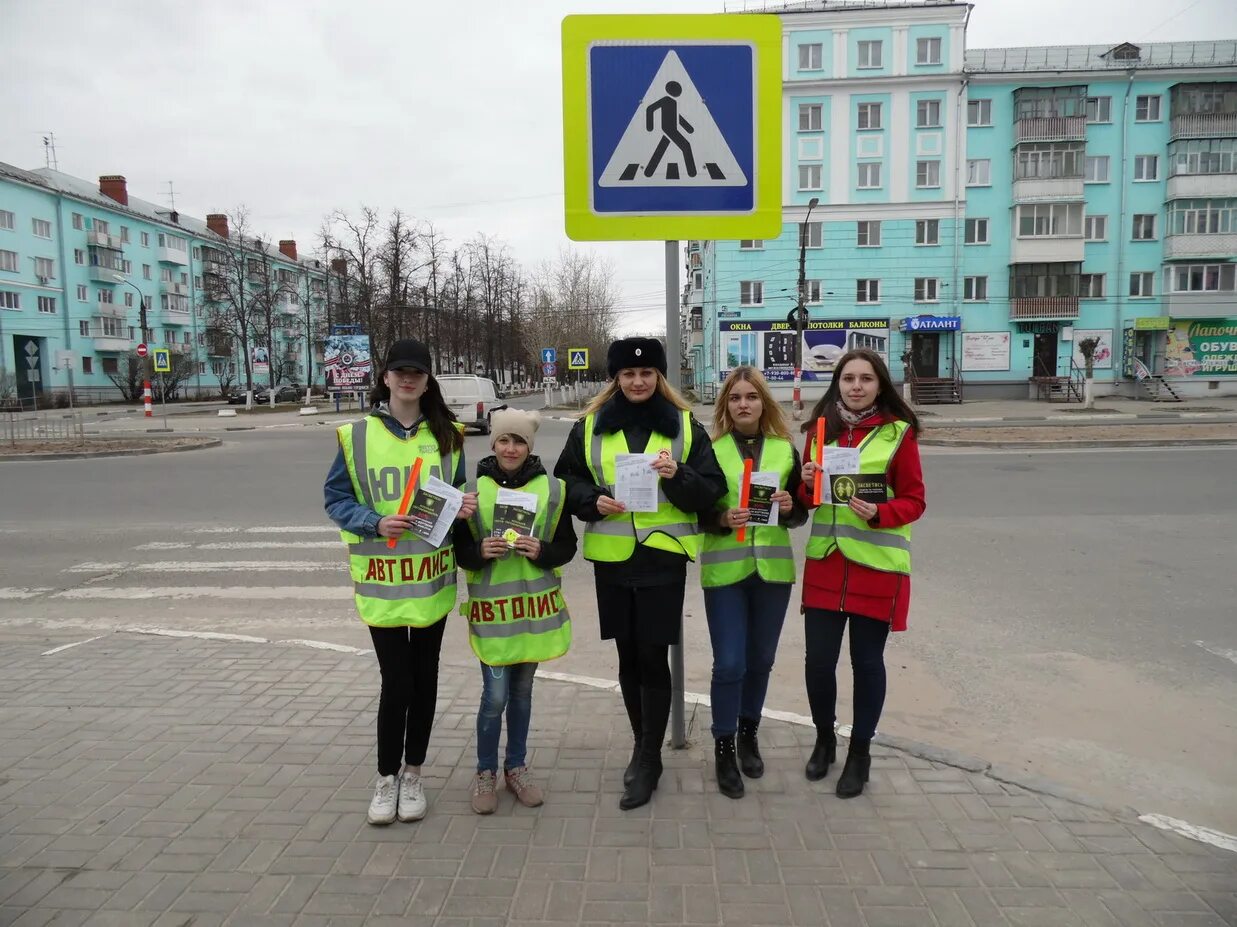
<point x="41" y="426"/>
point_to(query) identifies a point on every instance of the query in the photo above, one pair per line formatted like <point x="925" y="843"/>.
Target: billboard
<point x="770" y="346"/>
<point x="985" y="350"/>
<point x="259" y="361"/>
<point x="347" y="363"/>
<point x="1204" y="348"/>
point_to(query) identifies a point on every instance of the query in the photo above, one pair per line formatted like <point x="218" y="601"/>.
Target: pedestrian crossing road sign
<point x="163" y="360"/>
<point x="577" y="359"/>
<point x="672" y="127"/>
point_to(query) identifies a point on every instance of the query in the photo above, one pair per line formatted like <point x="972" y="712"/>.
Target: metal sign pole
<point x="678" y="727"/>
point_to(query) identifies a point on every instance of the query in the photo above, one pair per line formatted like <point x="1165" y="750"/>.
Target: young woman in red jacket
<point x="857" y="569"/>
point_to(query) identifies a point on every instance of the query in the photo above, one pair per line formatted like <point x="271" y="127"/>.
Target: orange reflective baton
<point x="405" y="502"/>
<point x="745" y="491"/>
<point x="820" y="460"/>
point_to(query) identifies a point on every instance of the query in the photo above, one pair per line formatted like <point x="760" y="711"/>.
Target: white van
<point x="471" y="399"/>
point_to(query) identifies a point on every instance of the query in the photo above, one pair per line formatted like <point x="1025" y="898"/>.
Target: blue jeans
<point x="745" y="622"/>
<point x="509" y="688"/>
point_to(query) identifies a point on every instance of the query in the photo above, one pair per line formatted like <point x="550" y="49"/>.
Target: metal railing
<point x="1051" y="128"/>
<point x="1043" y="307"/>
<point x="40" y="426"/>
<point x="1204" y="125"/>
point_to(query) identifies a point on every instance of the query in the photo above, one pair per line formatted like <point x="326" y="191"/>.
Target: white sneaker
<point x="412" y="802"/>
<point x="382" y="805"/>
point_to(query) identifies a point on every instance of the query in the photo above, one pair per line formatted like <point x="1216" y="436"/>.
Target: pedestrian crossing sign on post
<point x="163" y="360"/>
<point x="577" y="359"/>
<point x="672" y="127"/>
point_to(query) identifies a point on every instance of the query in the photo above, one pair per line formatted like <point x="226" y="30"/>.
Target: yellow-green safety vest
<point x="414" y="582"/>
<point x="837" y="527"/>
<point x="515" y="609"/>
<point x="613" y="539"/>
<point x="766" y="549"/>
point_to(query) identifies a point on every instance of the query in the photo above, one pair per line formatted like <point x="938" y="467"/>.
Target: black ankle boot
<point x="655" y="710"/>
<point x="749" y="750"/>
<point x="630" y="772"/>
<point x="643" y="784"/>
<point x="824" y="753"/>
<point x="855" y="772"/>
<point x="729" y="782"/>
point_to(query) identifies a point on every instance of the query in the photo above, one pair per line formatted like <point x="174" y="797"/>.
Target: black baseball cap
<point x="409" y="355"/>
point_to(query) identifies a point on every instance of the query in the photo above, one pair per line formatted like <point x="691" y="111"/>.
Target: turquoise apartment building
<point x="75" y="258"/>
<point x="980" y="212"/>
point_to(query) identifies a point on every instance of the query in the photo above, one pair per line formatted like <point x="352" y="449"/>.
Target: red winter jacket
<point x="838" y="584"/>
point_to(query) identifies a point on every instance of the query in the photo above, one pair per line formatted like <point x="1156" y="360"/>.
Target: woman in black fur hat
<point x="640" y="558"/>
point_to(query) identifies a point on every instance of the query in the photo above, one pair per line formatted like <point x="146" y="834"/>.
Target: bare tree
<point x="129" y="377"/>
<point x="357" y="241"/>
<point x="573" y="306"/>
<point x="231" y="306"/>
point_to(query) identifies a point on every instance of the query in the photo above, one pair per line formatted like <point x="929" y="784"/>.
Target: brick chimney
<point x="113" y="187"/>
<point x="287" y="248"/>
<point x="217" y="222"/>
<point x="339" y="266"/>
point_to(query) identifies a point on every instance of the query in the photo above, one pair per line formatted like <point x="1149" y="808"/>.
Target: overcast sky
<point x="449" y="110"/>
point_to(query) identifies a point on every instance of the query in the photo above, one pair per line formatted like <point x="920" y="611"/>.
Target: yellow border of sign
<point x="765" y="34"/>
<point x="164" y="354"/>
<point x="571" y="352"/>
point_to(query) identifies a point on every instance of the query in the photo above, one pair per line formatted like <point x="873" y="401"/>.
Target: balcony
<point x="176" y="317"/>
<point x="1052" y="129"/>
<point x="1177" y="247"/>
<point x="101" y="274"/>
<point x="174" y="289"/>
<point x="1202" y="186"/>
<point x="1204" y="125"/>
<point x="1212" y="304"/>
<point x="1045" y="308"/>
<point x="108" y="342"/>
<point x="285" y="305"/>
<point x="171" y="256"/>
<point x="1047" y="189"/>
<point x="106" y="311"/>
<point x="103" y="240"/>
<point x="1049" y="250"/>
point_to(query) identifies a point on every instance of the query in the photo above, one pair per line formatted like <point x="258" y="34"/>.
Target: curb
<point x="125" y="452"/>
<point x="1061" y="445"/>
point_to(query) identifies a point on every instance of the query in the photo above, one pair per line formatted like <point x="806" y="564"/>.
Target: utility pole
<point x="798" y="315"/>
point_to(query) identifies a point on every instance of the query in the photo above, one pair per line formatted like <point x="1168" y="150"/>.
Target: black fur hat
<point x="635" y="352"/>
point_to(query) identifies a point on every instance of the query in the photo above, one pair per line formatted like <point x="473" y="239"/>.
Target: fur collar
<point x="656" y="414"/>
<point x="533" y="468"/>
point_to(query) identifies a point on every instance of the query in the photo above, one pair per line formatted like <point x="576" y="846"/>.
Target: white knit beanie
<point x="514" y="422"/>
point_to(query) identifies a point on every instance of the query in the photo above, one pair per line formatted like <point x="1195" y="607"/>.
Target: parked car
<point x="284" y="392"/>
<point x="471" y="399"/>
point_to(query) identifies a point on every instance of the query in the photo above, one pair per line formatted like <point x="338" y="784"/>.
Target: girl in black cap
<point x="403" y="589"/>
<point x="640" y="558"/>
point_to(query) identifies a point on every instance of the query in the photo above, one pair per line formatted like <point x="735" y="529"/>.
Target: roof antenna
<point x="172" y="195"/>
<point x="49" y="151"/>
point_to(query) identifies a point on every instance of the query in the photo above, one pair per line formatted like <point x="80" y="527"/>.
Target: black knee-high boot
<point x="631" y="700"/>
<point x="655" y="710"/>
<point x="855" y="772"/>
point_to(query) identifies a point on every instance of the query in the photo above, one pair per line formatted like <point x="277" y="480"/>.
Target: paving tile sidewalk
<point x="157" y="781"/>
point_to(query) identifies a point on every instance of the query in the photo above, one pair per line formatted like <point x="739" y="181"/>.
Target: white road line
<point x="267" y="529"/>
<point x="211" y="566"/>
<point x="1230" y="655"/>
<point x="1215" y="838"/>
<point x="10" y="592"/>
<point x="48" y="653"/>
<point x="164" y="545"/>
<point x="96" y="567"/>
<point x="325" y="645"/>
<point x="142" y="593"/>
<point x="271" y="545"/>
<point x="200" y="635"/>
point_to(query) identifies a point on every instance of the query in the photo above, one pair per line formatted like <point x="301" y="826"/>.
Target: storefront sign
<point x="1153" y="323"/>
<point x="1102" y="359"/>
<point x="1203" y="348"/>
<point x="932" y="323"/>
<point x="770" y="346"/>
<point x="985" y="350"/>
<point x="1037" y="328"/>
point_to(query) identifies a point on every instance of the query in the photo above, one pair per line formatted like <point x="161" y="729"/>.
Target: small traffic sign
<point x="548" y="355"/>
<point x="163" y="360"/>
<point x="672" y="126"/>
<point x="577" y="358"/>
<point x="142" y="350"/>
<point x="549" y="370"/>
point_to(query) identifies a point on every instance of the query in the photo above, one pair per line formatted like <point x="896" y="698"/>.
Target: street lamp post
<point x="799" y="314"/>
<point x="149" y="359"/>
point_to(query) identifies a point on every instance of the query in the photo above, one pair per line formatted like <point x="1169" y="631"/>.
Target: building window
<point x="145" y="240"/>
<point x="867" y="291"/>
<point x="1091" y="286"/>
<point x="79" y="256"/>
<point x="1095" y="169"/>
<point x="197" y="282"/>
<point x="926" y="289"/>
<point x="809" y="176"/>
<point x="869" y="235"/>
<point x="977" y="231"/>
<point x="129" y="300"/>
<point x="1099" y="109"/>
<point x="927" y="51"/>
<point x="928" y="114"/>
<point x="106" y="297"/>
<point x="83" y="328"/>
<point x="978" y="113"/>
<point x="1142" y="284"/>
<point x="41" y="228"/>
<point x="979" y="172"/>
<point x="927" y="231"/>
<point x="146" y="271"/>
<point x="1202" y="217"/>
<point x="869" y="175"/>
<point x="44" y="267"/>
<point x="101" y="226"/>
<point x="1050" y="220"/>
<point x="751" y="293"/>
<point x="815" y="231"/>
<point x="1147" y="109"/>
<point x="165" y="274"/>
<point x="127" y="266"/>
<point x="87" y="365"/>
<point x="813" y="292"/>
<point x="77" y="221"/>
<point x="197" y="254"/>
<point x="752" y="244"/>
<point x="1048" y="161"/>
<point x="47" y="305"/>
<point x="1144" y="227"/>
<point x="869" y="116"/>
<point x="110" y="365"/>
<point x="927" y="174"/>
<point x="974" y="289"/>
<point x="8" y="261"/>
<point x="809" y="117"/>
<point x="1147" y="167"/>
<point x="1203" y="156"/>
<point x="1202" y="278"/>
<point x="1095" y="228"/>
<point x="698" y="280"/>
<point x="9" y="300"/>
<point x="811" y="57"/>
<point x="124" y="234"/>
<point x="870" y="54"/>
<point x="7" y="220"/>
<point x="82" y="294"/>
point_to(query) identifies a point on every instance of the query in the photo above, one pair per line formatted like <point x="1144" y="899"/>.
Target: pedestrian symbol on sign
<point x="577" y="359"/>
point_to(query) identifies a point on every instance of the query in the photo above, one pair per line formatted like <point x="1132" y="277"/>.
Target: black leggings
<point x="643" y="664"/>
<point x="408" y="659"/>
<point x="822" y="631"/>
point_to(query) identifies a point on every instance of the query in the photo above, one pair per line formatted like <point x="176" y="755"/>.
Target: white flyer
<point x="635" y="482"/>
<point x="433" y="509"/>
<point x="837" y="460"/>
<point x="760" y="505"/>
<point x="515" y="513"/>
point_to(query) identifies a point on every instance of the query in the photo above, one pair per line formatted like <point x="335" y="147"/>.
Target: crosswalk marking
<point x="210" y="566"/>
<point x="138" y="593"/>
<point x="10" y="592"/>
<point x="268" y="529"/>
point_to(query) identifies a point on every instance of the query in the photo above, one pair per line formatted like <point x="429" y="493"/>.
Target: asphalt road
<point x="1073" y="616"/>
